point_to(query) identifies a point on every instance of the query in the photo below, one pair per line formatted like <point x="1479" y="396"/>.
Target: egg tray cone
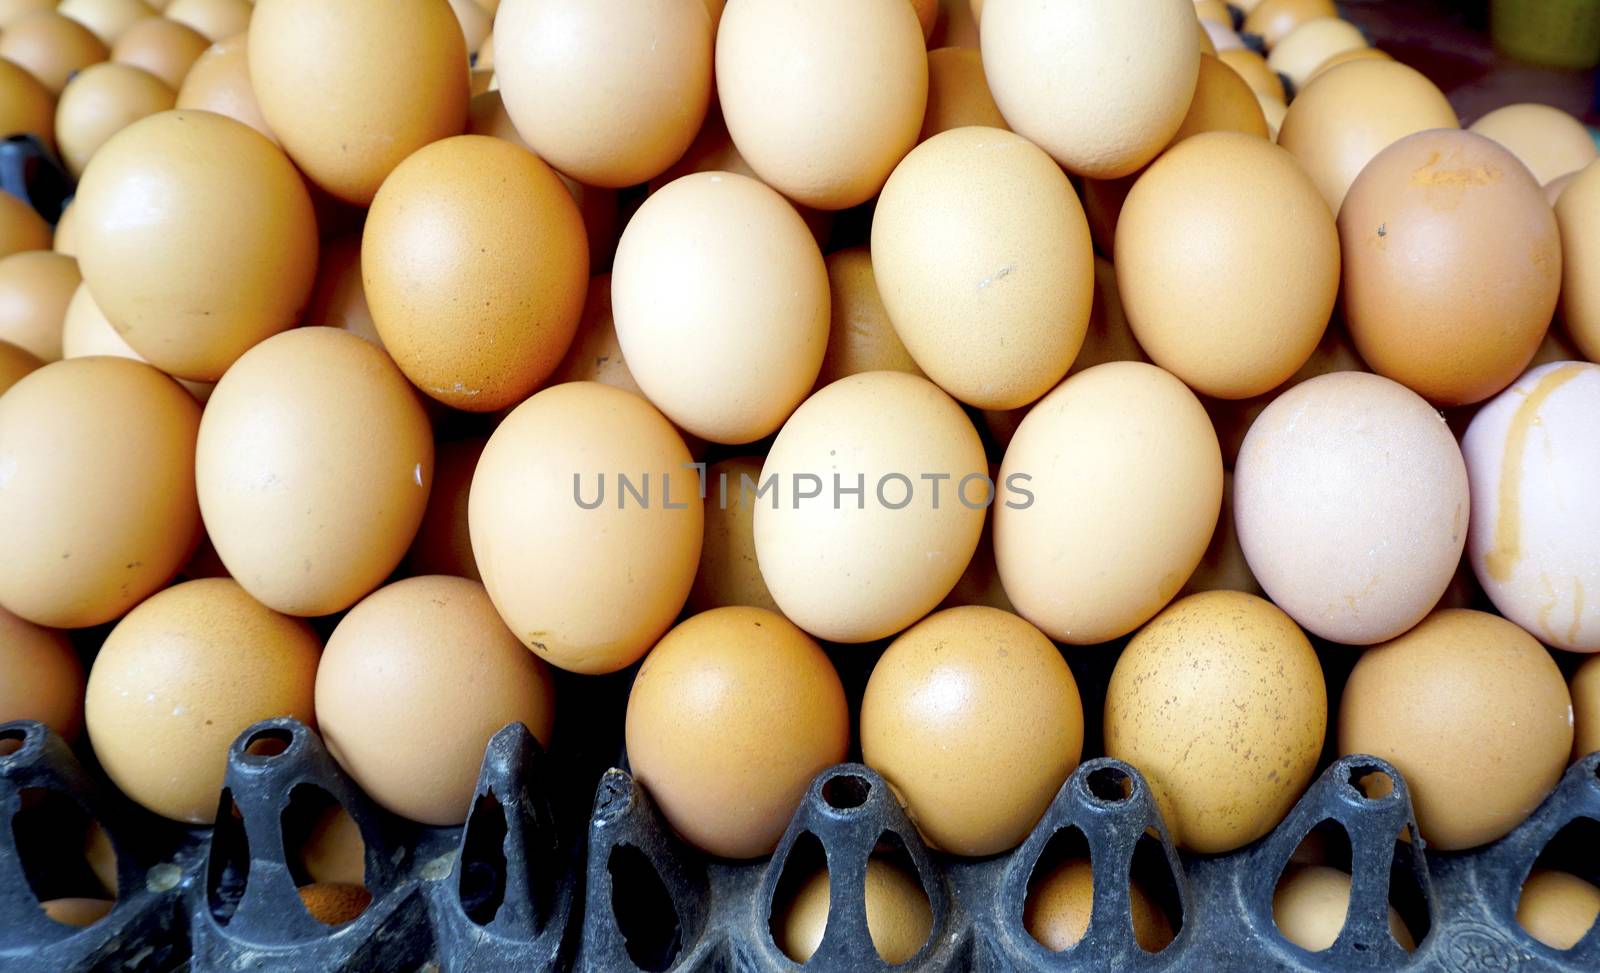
<point x="505" y="893"/>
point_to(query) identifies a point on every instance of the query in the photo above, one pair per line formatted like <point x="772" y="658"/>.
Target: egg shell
<point x="1109" y="336"/>
<point x="313" y="465"/>
<point x="1056" y="912"/>
<point x="853" y="568"/>
<point x="443" y="544"/>
<point x="1101" y="88"/>
<point x="610" y="92"/>
<point x="1273" y="20"/>
<point x="1555" y="187"/>
<point x="14" y="364"/>
<point x="734" y="674"/>
<point x="1252" y="67"/>
<point x="899" y="918"/>
<point x="1227" y="228"/>
<point x="1312" y="42"/>
<point x="1473" y="712"/>
<point x="1578" y="214"/>
<point x="1310" y="905"/>
<point x="77" y="911"/>
<point x="958" y="93"/>
<point x="590" y="590"/>
<point x="1452" y="265"/>
<point x="21" y="227"/>
<point x="26" y="105"/>
<point x="165" y="48"/>
<point x="822" y="98"/>
<point x="338" y="298"/>
<point x="86" y="332"/>
<point x="1557" y="908"/>
<point x="729" y="574"/>
<point x="334" y="904"/>
<point x="980" y="583"/>
<point x="215" y="19"/>
<point x="35" y="288"/>
<point x="98" y="509"/>
<point x="219" y="81"/>
<point x="1223" y="567"/>
<point x="1220" y="701"/>
<point x="44" y="678"/>
<point x="100" y="101"/>
<point x="1353" y="112"/>
<point x="183" y="675"/>
<point x="1534" y="538"/>
<point x="12" y="11"/>
<point x="927" y="15"/>
<point x="107" y="19"/>
<point x="51" y="47"/>
<point x="426" y="652"/>
<point x="333" y="849"/>
<point x="1585" y="688"/>
<point x="1223" y="102"/>
<point x="475" y="215"/>
<point x="1345" y="57"/>
<point x="197" y="239"/>
<point x="721" y="303"/>
<point x="973" y="717"/>
<point x="347" y="117"/>
<point x="1088" y="494"/>
<point x="1273" y="112"/>
<point x="595" y="354"/>
<point x="861" y="338"/>
<point x="1550" y="142"/>
<point x="476" y="23"/>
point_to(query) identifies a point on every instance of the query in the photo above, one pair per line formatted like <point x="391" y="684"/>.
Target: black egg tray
<point x="506" y="892"/>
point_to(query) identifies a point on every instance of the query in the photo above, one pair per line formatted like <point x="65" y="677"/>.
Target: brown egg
<point x="1071" y="491"/>
<point x="14" y="364"/>
<point x="484" y="58"/>
<point x="108" y="19"/>
<point x="1109" y="337"/>
<point x="197" y="238"/>
<point x="99" y="506"/>
<point x="165" y="48"/>
<point x="1452" y="265"/>
<point x="958" y="94"/>
<point x="334" y="904"/>
<point x="1310" y="905"/>
<point x="443" y="544"/>
<point x="1214" y="11"/>
<point x="215" y="19"/>
<point x="183" y="675"/>
<point x="1223" y="102"/>
<point x="77" y="912"/>
<point x="1302" y="51"/>
<point x="899" y="918"/>
<point x="879" y="543"/>
<point x="1578" y="214"/>
<point x="1350" y="114"/>
<point x="475" y="22"/>
<point x="1362" y="570"/>
<point x="86" y="332"/>
<point x="333" y="850"/>
<point x="65" y="240"/>
<point x="348" y="120"/>
<point x="431" y="652"/>
<point x="338" y="298"/>
<point x="1252" y="67"/>
<point x="1220" y="702"/>
<point x="1345" y="57"/>
<point x="728" y="572"/>
<point x="827" y="128"/>
<point x="973" y="717"/>
<point x="12" y="11"/>
<point x="313" y="467"/>
<point x="721" y="303"/>
<point x="1473" y="713"/>
<point x="35" y="288"/>
<point x="474" y="215"/>
<point x="610" y="92"/>
<point x="861" y="338"/>
<point x="1273" y="20"/>
<point x="44" y="679"/>
<point x="1585" y="689"/>
<point x="21" y="227"/>
<point x="595" y="354"/>
<point x="1223" y="567"/>
<point x="219" y="81"/>
<point x="1550" y="142"/>
<point x="27" y="107"/>
<point x="51" y="47"/>
<point x="1056" y="912"/>
<point x="587" y="574"/>
<point x="1557" y="908"/>
<point x="100" y="101"/>
<point x="1555" y="187"/>
<point x="980" y="583"/>
<point x="744" y="674"/>
<point x="1274" y="112"/>
<point x="1101" y="88"/>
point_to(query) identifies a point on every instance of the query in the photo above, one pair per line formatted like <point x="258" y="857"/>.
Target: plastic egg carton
<point x="504" y="893"/>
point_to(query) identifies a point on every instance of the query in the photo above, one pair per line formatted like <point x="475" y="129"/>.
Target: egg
<point x="1585" y="688"/>
<point x="1057" y="910"/>
<point x="348" y="117"/>
<point x="1252" y="67"/>
<point x="51" y="47"/>
<point x="973" y="717"/>
<point x="899" y="918"/>
<point x="1345" y="57"/>
<point x="734" y="674"/>
<point x="98" y="507"/>
<point x="721" y="303"/>
<point x="729" y="574"/>
<point x="313" y="468"/>
<point x="77" y="911"/>
<point x="1073" y="491"/>
<point x="990" y="294"/>
<point x="35" y="288"/>
<point x="14" y="364"/>
<point x="333" y="849"/>
<point x="165" y="48"/>
<point x="861" y="338"/>
<point x="878" y="490"/>
<point x="475" y="22"/>
<point x="585" y="573"/>
<point x="1576" y="213"/>
<point x="443" y="544"/>
<point x="197" y="239"/>
<point x="927" y="15"/>
<point x="1273" y="20"/>
<point x="1101" y="88"/>
<point x="1310" y="905"/>
<point x="1220" y="702"/>
<point x="475" y="215"/>
<point x="1534" y="539"/>
<point x="27" y="107"/>
<point x="86" y="332"/>
<point x="44" y="679"/>
<point x="1350" y="114"/>
<point x="1213" y="11"/>
<point x="215" y="19"/>
<point x="980" y="583"/>
<point x="1274" y="112"/>
<point x="428" y="651"/>
<point x="1473" y="713"/>
<point x="1218" y="37"/>
<point x="1550" y="142"/>
<point x="100" y="101"/>
<point x="1555" y="187"/>
<point x="1302" y="51"/>
<point x="338" y="297"/>
<point x="21" y="227"/>
<point x="958" y="93"/>
<point x="610" y="92"/>
<point x="12" y="11"/>
<point x="1452" y="264"/>
<point x="1557" y="908"/>
<point x="822" y="98"/>
<point x="334" y="904"/>
<point x="108" y="19"/>
<point x="1233" y="418"/>
<point x="219" y="81"/>
<point x="1109" y="337"/>
<point x="183" y="675"/>
<point x="1227" y="228"/>
<point x="65" y="239"/>
<point x="1223" y="567"/>
<point x="595" y="354"/>
<point x="1223" y="102"/>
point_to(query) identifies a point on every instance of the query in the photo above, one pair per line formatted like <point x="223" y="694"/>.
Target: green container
<point x="1554" y="33"/>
